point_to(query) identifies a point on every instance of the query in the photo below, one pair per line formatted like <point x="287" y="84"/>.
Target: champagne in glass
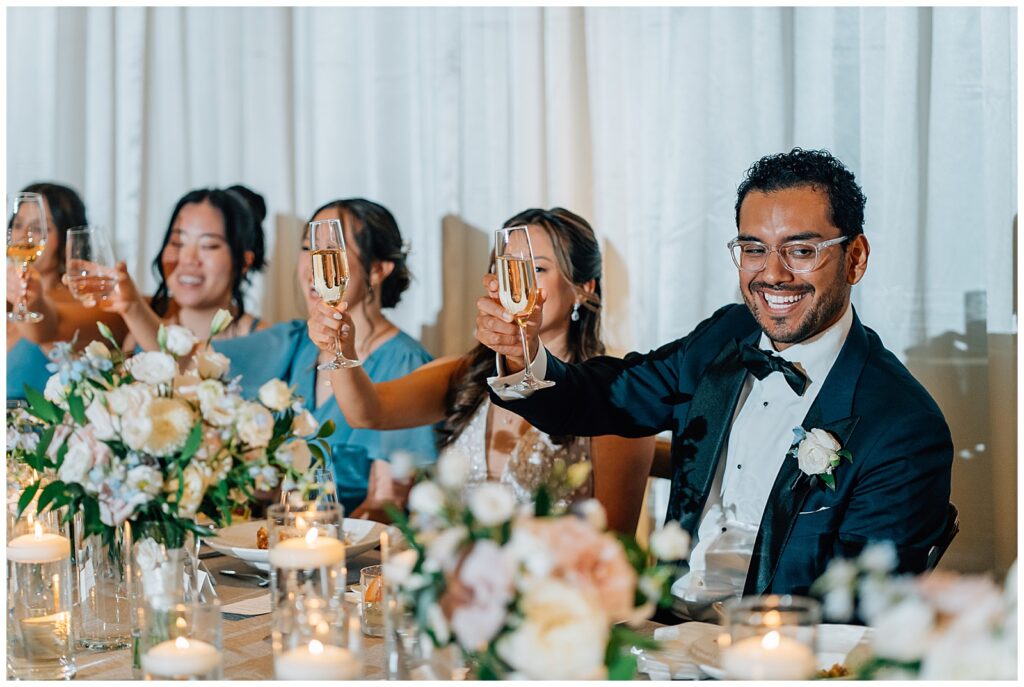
<point x="517" y="290"/>
<point x="90" y="265"/>
<point x="26" y="241"/>
<point x="330" y="275"/>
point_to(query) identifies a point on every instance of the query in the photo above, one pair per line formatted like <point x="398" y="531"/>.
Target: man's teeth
<point x="782" y="300"/>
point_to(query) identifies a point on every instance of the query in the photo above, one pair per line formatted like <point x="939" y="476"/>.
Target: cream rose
<point x="563" y="635"/>
<point x="304" y="424"/>
<point x="426" y="498"/>
<point x="97" y="351"/>
<point x="192" y="494"/>
<point x="254" y="424"/>
<point x="904" y="631"/>
<point x="295" y="453"/>
<point x="179" y="340"/>
<point x="492" y="503"/>
<point x="100" y="420"/>
<point x="817" y="452"/>
<point x="153" y="367"/>
<point x="453" y="469"/>
<point x="136" y="426"/>
<point x="210" y="364"/>
<point x="218" y="408"/>
<point x="54" y="391"/>
<point x="275" y="395"/>
<point x="129" y="397"/>
<point x="146" y="479"/>
<point x="79" y="459"/>
<point x="171" y="421"/>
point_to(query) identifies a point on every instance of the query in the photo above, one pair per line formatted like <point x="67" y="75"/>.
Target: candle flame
<point x="180" y="623"/>
<point x="300" y="523"/>
<point x="316" y="647"/>
<point x="39" y="530"/>
<point x="311" y="536"/>
<point x="771" y="640"/>
<point x="181" y="643"/>
<point x="772" y="618"/>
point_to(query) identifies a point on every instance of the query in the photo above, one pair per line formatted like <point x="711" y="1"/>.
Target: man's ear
<point x="857" y="259"/>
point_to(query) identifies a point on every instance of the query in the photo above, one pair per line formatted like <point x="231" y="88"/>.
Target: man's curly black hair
<point x="815" y="168"/>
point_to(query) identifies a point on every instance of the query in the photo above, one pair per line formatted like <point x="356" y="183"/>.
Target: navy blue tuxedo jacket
<point x="896" y="488"/>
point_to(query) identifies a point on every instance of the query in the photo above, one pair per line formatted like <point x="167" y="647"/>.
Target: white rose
<point x="904" y="632"/>
<point x="210" y="364"/>
<point x="100" y="420"/>
<point x="96" y="351"/>
<point x="254" y="424"/>
<point x="442" y="552"/>
<point x="275" y="395"/>
<point x="492" y="503"/>
<point x="146" y="479"/>
<point x="129" y="397"/>
<point x="296" y="454"/>
<point x="816" y="452"/>
<point x="153" y="367"/>
<point x="180" y="340"/>
<point x="426" y="498"/>
<point x="136" y="428"/>
<point x="453" y="469"/>
<point x="531" y="553"/>
<point x="186" y="386"/>
<point x="403" y="464"/>
<point x="304" y="424"/>
<point x="399" y="567"/>
<point x="593" y="512"/>
<point x="879" y="557"/>
<point x="563" y="636"/>
<point x="438" y="624"/>
<point x="78" y="460"/>
<point x="54" y="391"/>
<point x="671" y="542"/>
<point x="171" y="421"/>
<point x="217" y="407"/>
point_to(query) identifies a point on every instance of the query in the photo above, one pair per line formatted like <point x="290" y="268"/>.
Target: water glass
<point x="371" y="600"/>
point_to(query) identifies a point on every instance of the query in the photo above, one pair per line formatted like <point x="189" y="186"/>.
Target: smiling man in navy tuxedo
<point x="734" y="389"/>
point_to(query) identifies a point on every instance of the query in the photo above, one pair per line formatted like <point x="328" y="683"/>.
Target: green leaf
<point x="326" y="430"/>
<point x="26" y="497"/>
<point x="542" y="503"/>
<point x="40" y="407"/>
<point x="843" y="453"/>
<point x="77" y="408"/>
<point x="622" y="668"/>
<point x="829" y="480"/>
<point x="61" y="452"/>
<point x="161" y="338"/>
<point x="49" y="493"/>
<point x="181" y="483"/>
<point x="318" y="454"/>
<point x="195" y="437"/>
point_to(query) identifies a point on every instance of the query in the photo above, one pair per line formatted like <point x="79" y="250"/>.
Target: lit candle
<point x="384" y="548"/>
<point x="311" y="551"/>
<point x="38" y="547"/>
<point x="181" y="657"/>
<point x="314" y="661"/>
<point x="773" y="656"/>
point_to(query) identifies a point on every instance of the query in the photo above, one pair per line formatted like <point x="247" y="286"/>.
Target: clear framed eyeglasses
<point x="797" y="256"/>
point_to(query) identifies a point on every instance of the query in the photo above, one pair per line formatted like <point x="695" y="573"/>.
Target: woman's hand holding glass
<point x="328" y="324"/>
<point x="496" y="328"/>
<point x="29" y="288"/>
<point x="125" y="300"/>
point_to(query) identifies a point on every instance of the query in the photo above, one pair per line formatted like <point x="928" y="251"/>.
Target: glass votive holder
<point x="313" y="640"/>
<point x="307" y="551"/>
<point x="770" y="638"/>
<point x="371" y="600"/>
<point x="40" y="641"/>
<point x="182" y="641"/>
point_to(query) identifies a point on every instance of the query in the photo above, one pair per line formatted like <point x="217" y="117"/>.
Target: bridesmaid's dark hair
<point x="238" y="233"/>
<point x="67" y="210"/>
<point x="579" y="259"/>
<point x="379" y="239"/>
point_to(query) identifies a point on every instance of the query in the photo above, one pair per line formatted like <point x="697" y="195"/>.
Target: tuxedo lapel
<point x="831" y="411"/>
<point x="696" y="450"/>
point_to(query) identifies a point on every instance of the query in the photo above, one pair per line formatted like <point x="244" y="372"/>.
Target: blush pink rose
<point x="485" y="582"/>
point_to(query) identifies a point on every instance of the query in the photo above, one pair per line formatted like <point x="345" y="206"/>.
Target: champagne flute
<point x="26" y="241"/>
<point x="90" y="265"/>
<point x="517" y="290"/>
<point x="330" y="276"/>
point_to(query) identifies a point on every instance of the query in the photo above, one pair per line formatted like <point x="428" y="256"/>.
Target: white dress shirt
<point x="760" y="436"/>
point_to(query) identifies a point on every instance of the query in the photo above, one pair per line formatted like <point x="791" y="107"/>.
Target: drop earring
<point x="575" y="316"/>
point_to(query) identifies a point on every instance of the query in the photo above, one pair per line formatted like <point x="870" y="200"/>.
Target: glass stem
<point x="526" y="351"/>
<point x="23" y="301"/>
<point x="338" y="355"/>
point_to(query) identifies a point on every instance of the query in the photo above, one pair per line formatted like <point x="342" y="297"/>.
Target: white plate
<point x="239" y="540"/>
<point x="835" y="644"/>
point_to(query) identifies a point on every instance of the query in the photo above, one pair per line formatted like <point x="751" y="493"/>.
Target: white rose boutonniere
<point x="818" y="453"/>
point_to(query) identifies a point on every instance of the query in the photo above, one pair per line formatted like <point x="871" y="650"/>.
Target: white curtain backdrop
<point x="642" y="120"/>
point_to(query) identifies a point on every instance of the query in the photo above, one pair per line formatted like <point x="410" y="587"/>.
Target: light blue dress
<point x="26" y="364"/>
<point x="285" y="351"/>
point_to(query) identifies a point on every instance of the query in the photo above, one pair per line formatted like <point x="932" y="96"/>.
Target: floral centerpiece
<point x="120" y="438"/>
<point x="936" y="626"/>
<point x="525" y="591"/>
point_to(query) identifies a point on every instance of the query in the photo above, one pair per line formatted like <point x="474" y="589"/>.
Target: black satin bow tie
<point x="762" y="363"/>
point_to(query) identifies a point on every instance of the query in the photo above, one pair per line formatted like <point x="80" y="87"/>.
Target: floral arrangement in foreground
<point x="156" y="438"/>
<point x="936" y="626"/>
<point x="525" y="591"/>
